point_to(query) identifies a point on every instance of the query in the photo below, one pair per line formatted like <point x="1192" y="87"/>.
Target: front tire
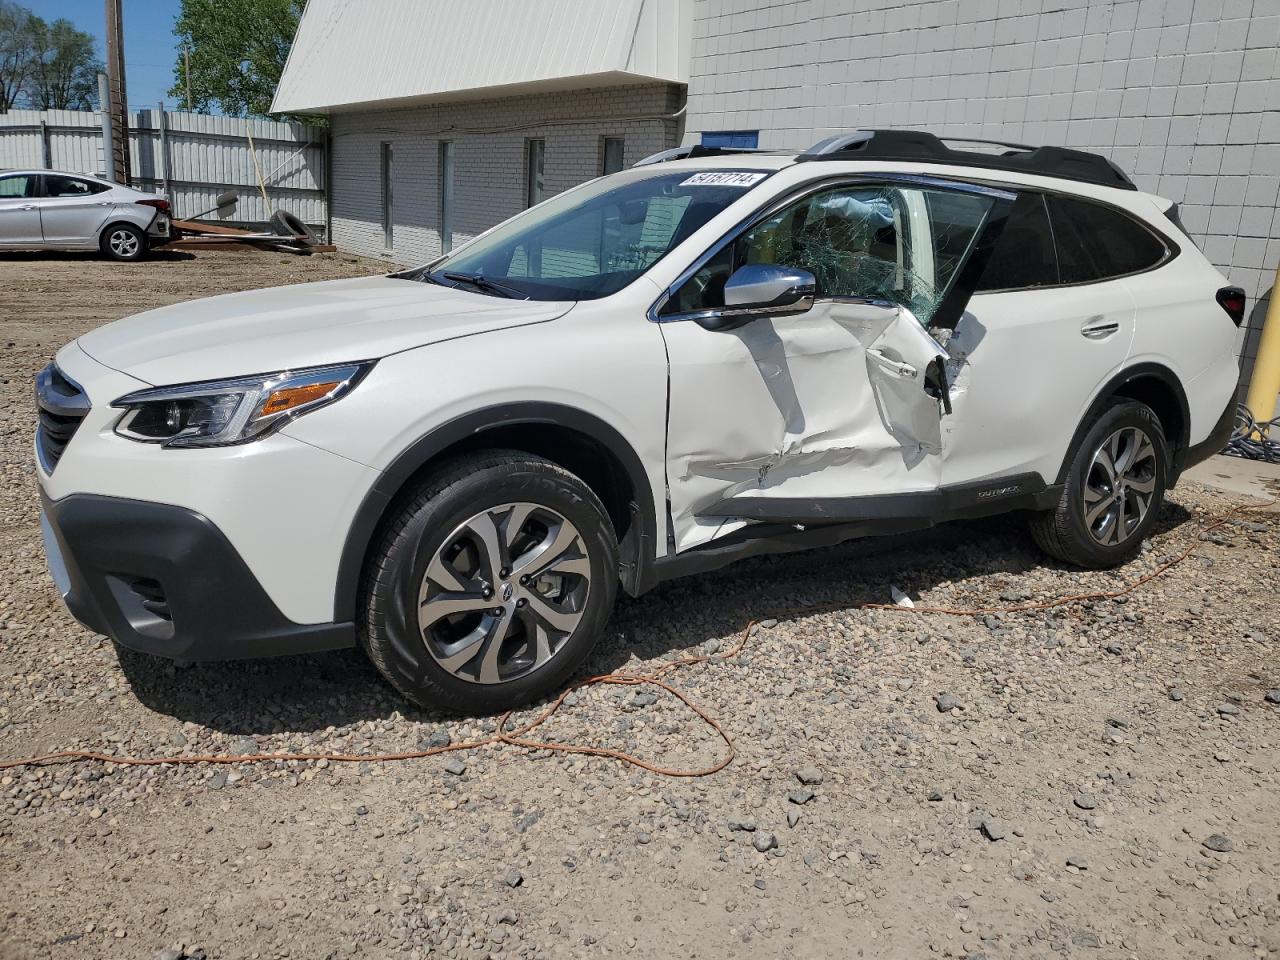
<point x="123" y="242"/>
<point x="490" y="585"/>
<point x="1113" y="492"/>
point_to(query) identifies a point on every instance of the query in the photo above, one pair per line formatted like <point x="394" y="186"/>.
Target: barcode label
<point x="723" y="178"/>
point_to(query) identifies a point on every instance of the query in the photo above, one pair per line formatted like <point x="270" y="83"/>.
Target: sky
<point x="150" y="47"/>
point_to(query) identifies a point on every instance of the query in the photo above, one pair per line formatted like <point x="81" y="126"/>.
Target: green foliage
<point x="15" y="51"/>
<point x="47" y="66"/>
<point x="237" y="53"/>
<point x="64" y="75"/>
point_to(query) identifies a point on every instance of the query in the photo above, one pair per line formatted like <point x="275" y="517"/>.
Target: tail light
<point x="1232" y="300"/>
<point x="159" y="204"/>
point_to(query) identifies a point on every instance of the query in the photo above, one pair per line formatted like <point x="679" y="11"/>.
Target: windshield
<point x="593" y="241"/>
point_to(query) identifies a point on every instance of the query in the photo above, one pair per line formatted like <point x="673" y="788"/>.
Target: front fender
<point x="436" y="445"/>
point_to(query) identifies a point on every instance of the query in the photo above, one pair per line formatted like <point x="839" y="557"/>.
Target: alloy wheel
<point x="1119" y="486"/>
<point x="504" y="592"/>
<point x="123" y="243"/>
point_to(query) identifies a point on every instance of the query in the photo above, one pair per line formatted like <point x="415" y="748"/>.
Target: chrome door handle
<point x="103" y="203"/>
<point x="1099" y="328"/>
<point x="27" y="206"/>
<point x="896" y="367"/>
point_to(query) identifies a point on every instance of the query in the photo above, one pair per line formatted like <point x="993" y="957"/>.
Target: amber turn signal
<point x="290" y="397"/>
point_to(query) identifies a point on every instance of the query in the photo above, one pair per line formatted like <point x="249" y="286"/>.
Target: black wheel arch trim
<point x="1215" y="442"/>
<point x="1113" y="388"/>
<point x="636" y="551"/>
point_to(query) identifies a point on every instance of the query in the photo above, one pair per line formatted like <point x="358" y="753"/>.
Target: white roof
<point x="400" y="52"/>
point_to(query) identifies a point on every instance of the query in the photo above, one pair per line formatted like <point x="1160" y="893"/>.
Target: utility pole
<point x="186" y="72"/>
<point x="104" y="108"/>
<point x="119" y="164"/>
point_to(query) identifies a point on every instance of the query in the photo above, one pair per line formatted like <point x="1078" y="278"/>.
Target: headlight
<point x="222" y="412"/>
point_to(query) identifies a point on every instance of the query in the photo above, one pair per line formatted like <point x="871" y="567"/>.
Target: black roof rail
<point x="693" y="150"/>
<point x="918" y="146"/>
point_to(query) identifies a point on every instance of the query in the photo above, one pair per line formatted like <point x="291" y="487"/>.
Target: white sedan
<point x="49" y="210"/>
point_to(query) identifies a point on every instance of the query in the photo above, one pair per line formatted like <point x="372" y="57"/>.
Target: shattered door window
<point x="891" y="242"/>
<point x="854" y="242"/>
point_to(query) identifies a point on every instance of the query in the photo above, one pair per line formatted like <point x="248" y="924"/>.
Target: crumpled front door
<point x="845" y="399"/>
<point x="829" y="404"/>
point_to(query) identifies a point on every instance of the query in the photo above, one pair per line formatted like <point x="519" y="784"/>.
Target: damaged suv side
<point x="710" y="356"/>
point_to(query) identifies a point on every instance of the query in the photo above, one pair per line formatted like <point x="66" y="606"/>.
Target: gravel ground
<point x="1096" y="780"/>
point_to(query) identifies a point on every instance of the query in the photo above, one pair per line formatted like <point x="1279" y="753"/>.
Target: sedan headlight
<point x="218" y="413"/>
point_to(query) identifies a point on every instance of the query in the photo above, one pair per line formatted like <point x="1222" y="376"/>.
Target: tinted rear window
<point x="1095" y="242"/>
<point x="59" y="186"/>
<point x="1024" y="255"/>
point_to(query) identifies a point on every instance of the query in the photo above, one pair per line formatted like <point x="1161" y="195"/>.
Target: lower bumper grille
<point x="143" y="603"/>
<point x="62" y="405"/>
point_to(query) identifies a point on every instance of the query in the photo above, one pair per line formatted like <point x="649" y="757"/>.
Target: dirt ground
<point x="1097" y="779"/>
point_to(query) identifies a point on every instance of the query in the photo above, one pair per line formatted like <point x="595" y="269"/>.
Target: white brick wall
<point x="489" y="167"/>
<point x="1183" y="94"/>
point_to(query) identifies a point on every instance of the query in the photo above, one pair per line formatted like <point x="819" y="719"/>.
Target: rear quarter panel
<point x="1180" y="325"/>
<point x="1025" y="376"/>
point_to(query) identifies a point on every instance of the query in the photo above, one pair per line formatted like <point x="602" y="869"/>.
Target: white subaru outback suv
<point x="709" y="356"/>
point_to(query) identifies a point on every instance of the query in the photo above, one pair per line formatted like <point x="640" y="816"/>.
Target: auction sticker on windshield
<point x="723" y="178"/>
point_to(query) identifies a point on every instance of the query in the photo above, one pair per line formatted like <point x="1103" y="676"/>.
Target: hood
<point x="305" y="325"/>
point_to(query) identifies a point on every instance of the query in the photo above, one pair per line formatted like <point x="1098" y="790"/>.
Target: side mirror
<point x="760" y="289"/>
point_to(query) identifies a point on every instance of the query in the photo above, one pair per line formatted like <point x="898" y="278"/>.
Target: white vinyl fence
<point x="188" y="157"/>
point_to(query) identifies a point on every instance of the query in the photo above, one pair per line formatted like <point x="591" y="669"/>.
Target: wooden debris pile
<point x="285" y="233"/>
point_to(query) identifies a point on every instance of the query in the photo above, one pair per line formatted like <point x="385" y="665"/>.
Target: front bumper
<point x="285" y="506"/>
<point x="164" y="580"/>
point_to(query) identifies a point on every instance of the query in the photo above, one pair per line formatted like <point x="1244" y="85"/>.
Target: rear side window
<point x="1175" y="217"/>
<point x="1095" y="242"/>
<point x="1024" y="255"/>
<point x="56" y="186"/>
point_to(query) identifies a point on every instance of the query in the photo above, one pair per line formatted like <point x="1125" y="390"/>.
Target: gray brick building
<point x="491" y="143"/>
<point x="1182" y="94"/>
<point x="448" y="118"/>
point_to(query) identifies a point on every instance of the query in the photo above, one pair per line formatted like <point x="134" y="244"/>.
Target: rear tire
<point x="490" y="585"/>
<point x="1113" y="492"/>
<point x="123" y="242"/>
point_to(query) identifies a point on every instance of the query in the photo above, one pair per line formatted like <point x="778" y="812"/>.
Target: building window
<point x="611" y="156"/>
<point x="446" y="196"/>
<point x="734" y="139"/>
<point x="534" y="188"/>
<point x="388" y="230"/>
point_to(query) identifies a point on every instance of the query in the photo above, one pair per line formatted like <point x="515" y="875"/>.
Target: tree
<point x="64" y="70"/>
<point x="237" y="52"/>
<point x="17" y="27"/>
<point x="48" y="66"/>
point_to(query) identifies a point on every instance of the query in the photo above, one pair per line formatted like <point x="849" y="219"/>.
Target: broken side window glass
<point x="897" y="243"/>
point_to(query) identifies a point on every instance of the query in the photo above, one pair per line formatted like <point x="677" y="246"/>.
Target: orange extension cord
<point x="518" y="737"/>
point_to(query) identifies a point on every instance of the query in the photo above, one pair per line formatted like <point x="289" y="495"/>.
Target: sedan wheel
<point x="123" y="241"/>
